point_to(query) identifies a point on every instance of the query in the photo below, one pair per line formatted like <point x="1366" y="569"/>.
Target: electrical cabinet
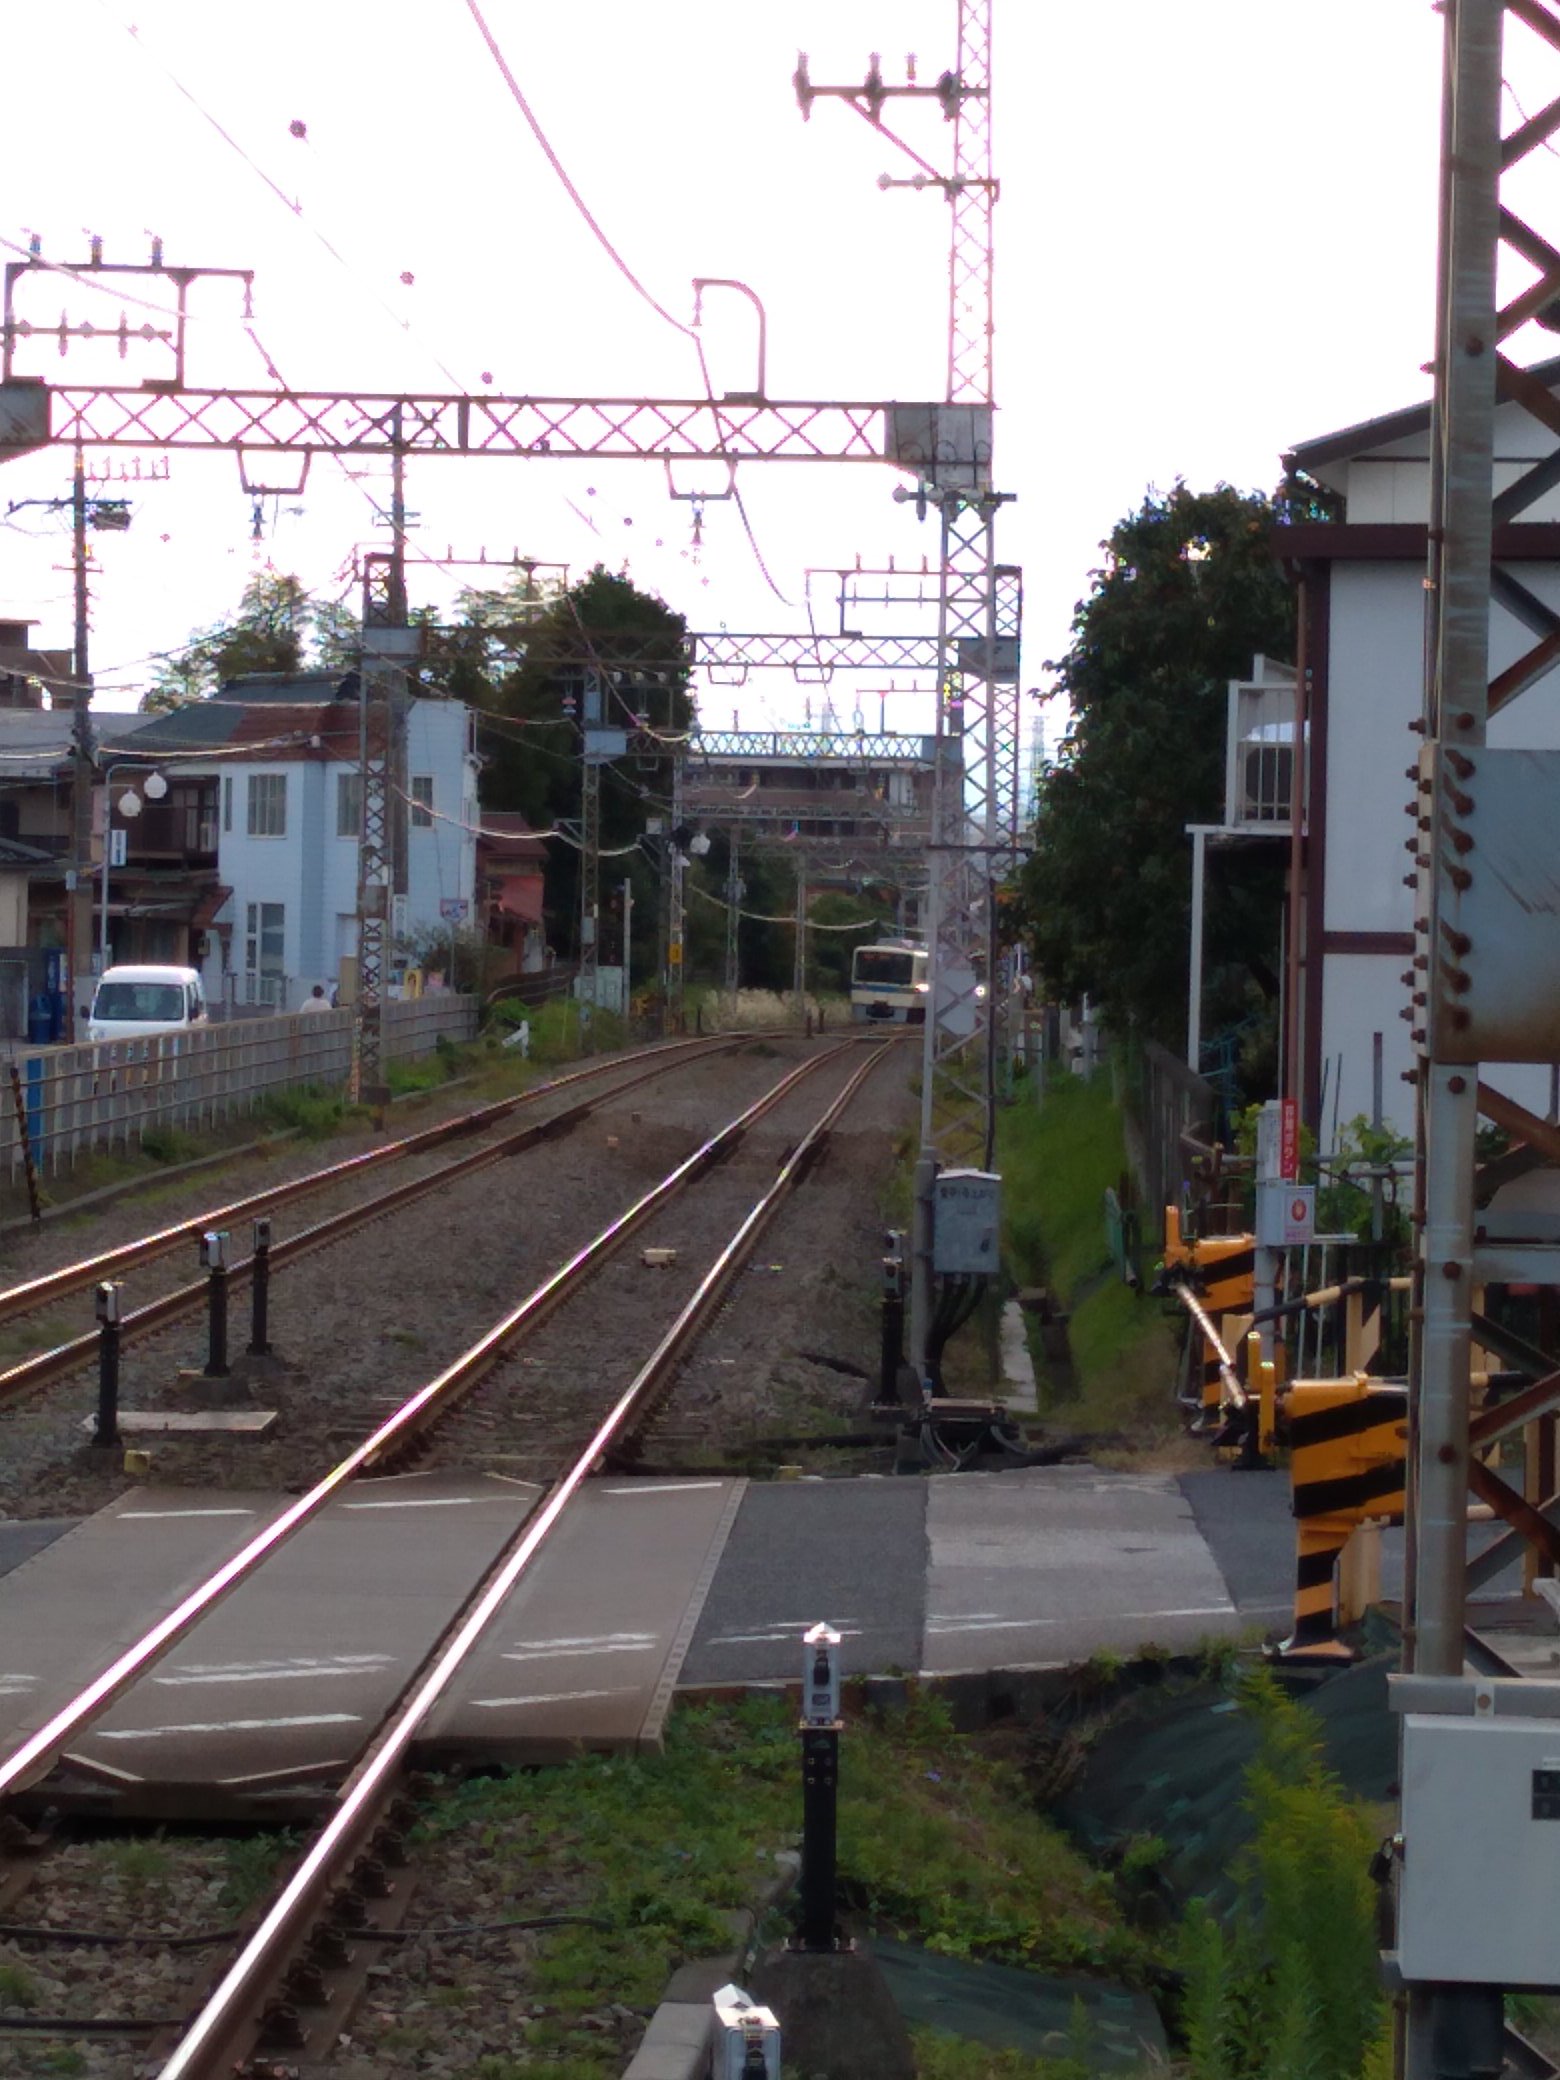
<point x="966" y="1222"/>
<point x="1479" y="1897"/>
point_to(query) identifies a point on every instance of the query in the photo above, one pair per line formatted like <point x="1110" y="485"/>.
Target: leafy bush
<point x="1289" y="1989"/>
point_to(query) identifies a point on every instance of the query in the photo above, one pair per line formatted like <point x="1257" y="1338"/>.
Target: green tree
<point x="531" y="668"/>
<point x="279" y="627"/>
<point x="1188" y="592"/>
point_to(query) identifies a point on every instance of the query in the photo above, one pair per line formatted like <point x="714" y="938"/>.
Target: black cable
<point x="104" y="1939"/>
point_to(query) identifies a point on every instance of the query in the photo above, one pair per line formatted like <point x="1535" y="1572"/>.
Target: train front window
<point x="885" y="966"/>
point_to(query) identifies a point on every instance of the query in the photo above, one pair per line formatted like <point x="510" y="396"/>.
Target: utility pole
<point x="590" y="864"/>
<point x="78" y="897"/>
<point x="976" y="801"/>
<point x="676" y="905"/>
<point x="734" y="917"/>
<point x="389" y="646"/>
<point x="1484" y="989"/>
<point x="799" y="965"/>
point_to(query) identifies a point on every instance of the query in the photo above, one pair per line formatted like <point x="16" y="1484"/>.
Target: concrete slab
<point x="1018" y="1366"/>
<point x="84" y="1596"/>
<point x="1044" y="1566"/>
<point x="264" y="1692"/>
<point x="155" y="1422"/>
<point x="850" y="1551"/>
<point x="585" y="1654"/>
<point x="21" y="1537"/>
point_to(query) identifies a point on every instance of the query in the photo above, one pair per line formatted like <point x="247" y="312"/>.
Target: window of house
<point x="268" y="805"/>
<point x="265" y="950"/>
<point x="227" y="803"/>
<point x="349" y="805"/>
<point x="422" y="801"/>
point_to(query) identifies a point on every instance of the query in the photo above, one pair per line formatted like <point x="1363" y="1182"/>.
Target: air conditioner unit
<point x="1266" y="781"/>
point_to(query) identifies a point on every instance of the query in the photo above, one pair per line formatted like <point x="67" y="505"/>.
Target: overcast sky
<point x="1215" y="237"/>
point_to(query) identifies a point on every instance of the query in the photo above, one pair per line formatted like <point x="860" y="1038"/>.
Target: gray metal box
<point x="1479" y="1901"/>
<point x="1495" y="966"/>
<point x="967" y="1219"/>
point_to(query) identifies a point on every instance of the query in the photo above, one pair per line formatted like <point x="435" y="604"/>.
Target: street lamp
<point x="154" y="787"/>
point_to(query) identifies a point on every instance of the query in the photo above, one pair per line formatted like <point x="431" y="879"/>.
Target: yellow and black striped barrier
<point x="1221" y="1270"/>
<point x="1348" y="1442"/>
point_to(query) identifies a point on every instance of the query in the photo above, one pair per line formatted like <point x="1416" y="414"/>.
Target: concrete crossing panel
<point x="1044" y="1566"/>
<point x="585" y="1654"/>
<point x="849" y="1551"/>
<point x="287" y="1678"/>
<point x="79" y="1599"/>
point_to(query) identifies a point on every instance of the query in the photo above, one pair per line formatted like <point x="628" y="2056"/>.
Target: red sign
<point x="1289" y="1140"/>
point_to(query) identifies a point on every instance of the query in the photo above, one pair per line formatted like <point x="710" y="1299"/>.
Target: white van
<point x="131" y="1003"/>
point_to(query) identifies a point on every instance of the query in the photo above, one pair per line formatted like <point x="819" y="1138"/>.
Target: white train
<point x="888" y="981"/>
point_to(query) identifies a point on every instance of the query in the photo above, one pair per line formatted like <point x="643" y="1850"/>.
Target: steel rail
<point x="54" y="1285"/>
<point x="33" y="1757"/>
<point x="27" y="1376"/>
<point x="237" y="2003"/>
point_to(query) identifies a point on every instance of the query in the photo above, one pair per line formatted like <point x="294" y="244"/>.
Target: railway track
<point x="28" y="1297"/>
<point x="343" y="1872"/>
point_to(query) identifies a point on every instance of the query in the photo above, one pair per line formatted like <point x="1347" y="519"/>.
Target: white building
<point x="1361" y="670"/>
<point x="283" y="754"/>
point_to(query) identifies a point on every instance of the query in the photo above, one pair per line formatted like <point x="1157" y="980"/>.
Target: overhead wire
<point x="688" y="331"/>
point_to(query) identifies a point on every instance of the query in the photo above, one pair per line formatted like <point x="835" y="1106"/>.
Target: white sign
<point x="1286" y="1214"/>
<point x="453" y="909"/>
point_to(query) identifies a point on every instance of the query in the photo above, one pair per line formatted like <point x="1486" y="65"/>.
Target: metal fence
<point x="1173" y="1110"/>
<point x="77" y="1100"/>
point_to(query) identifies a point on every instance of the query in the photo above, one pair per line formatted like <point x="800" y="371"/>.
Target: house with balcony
<point x="264" y="782"/>
<point x="1352" y="708"/>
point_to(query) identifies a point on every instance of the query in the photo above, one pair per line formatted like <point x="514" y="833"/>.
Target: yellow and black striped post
<point x="1347" y="1441"/>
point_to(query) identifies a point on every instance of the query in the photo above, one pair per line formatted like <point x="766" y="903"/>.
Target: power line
<point x="622" y="266"/>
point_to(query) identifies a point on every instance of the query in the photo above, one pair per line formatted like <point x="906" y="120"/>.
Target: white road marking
<point x="157" y="1733"/>
<point x="780" y="1632"/>
<point x="1202" y="1610"/>
<point x="563" y="1653"/>
<point x="277" y="1671"/>
<point x="419" y="1502"/>
<point x="663" y="1488"/>
<point x="506" y="1704"/>
<point x="588" y="1639"/>
<point x="158" y="1516"/>
<point x="12" y="1685"/>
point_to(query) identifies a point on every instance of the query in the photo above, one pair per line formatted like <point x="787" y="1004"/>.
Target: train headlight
<point x="921" y="988"/>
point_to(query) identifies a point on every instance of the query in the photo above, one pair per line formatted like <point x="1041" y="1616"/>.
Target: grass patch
<point x="939" y="2057"/>
<point x="938" y="1843"/>
<point x="1289" y="1989"/>
<point x="1058" y="1159"/>
<point x="557" y="1029"/>
<point x="309" y="1111"/>
<point x="169" y="1145"/>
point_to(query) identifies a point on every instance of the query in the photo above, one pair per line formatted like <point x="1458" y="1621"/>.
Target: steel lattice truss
<point x="323" y="422"/>
<point x="972" y="194"/>
<point x="815" y="746"/>
<point x="819" y="655"/>
<point x="1458" y="1016"/>
<point x="1486" y="977"/>
<point x="974" y="835"/>
<point x="382" y="700"/>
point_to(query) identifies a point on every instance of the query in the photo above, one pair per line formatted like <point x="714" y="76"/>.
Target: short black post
<point x="893" y="1345"/>
<point x="107" y="1298"/>
<point x="213" y="1258"/>
<point x="820" y="1730"/>
<point x="260" y="1291"/>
